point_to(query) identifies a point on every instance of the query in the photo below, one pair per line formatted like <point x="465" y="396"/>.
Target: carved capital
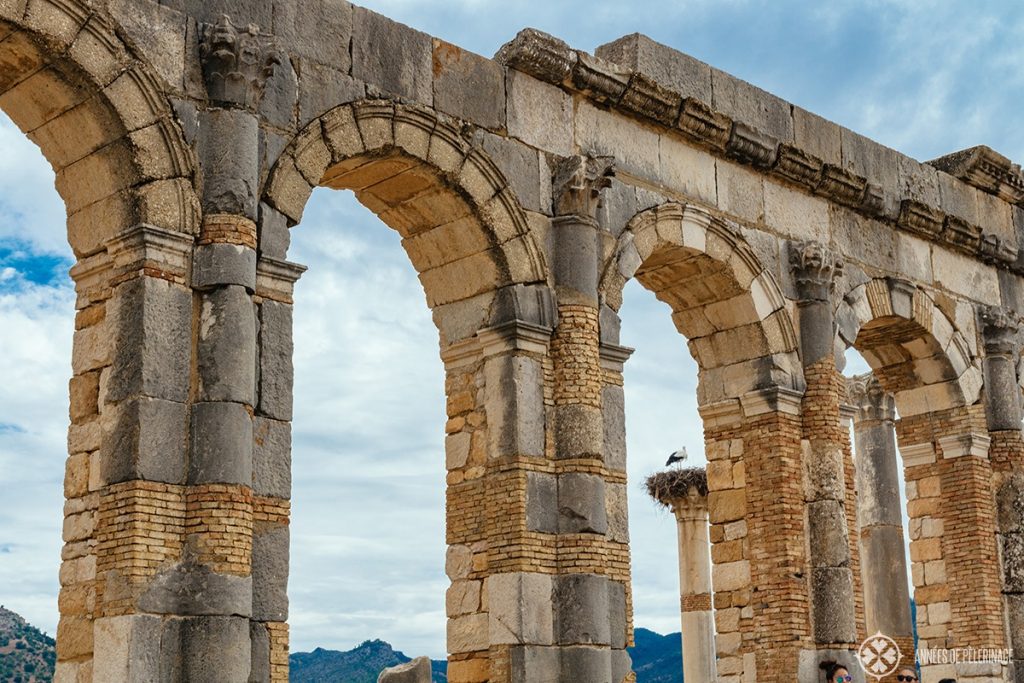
<point x="236" y="62"/>
<point x="577" y="185"/>
<point x="870" y="399"/>
<point x="815" y="269"/>
<point x="1000" y="331"/>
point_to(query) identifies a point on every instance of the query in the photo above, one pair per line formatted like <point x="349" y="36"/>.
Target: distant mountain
<point x="27" y="655"/>
<point x="656" y="659"/>
<point x="360" y="665"/>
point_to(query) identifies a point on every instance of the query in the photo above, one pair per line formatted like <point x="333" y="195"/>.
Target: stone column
<point x="1001" y="338"/>
<point x="219" y="519"/>
<point x="685" y="492"/>
<point x="883" y="561"/>
<point x="832" y="583"/>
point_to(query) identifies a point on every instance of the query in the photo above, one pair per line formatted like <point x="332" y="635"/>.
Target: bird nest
<point x="671" y="485"/>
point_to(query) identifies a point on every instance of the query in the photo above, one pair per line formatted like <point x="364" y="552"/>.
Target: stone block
<point x="918" y="181"/>
<point x="458" y="562"/>
<point x="731" y="576"/>
<point x="260" y="653"/>
<point x="227" y="346"/>
<point x="279" y="104"/>
<point x="276" y="370"/>
<point x="581" y="504"/>
<point x="129" y="648"/>
<point x="322" y="88"/>
<point x="270" y="573"/>
<point x="514" y="402"/>
<point x="727" y="506"/>
<point x="688" y="171"/>
<point x="416" y="671"/>
<point x="222" y="444"/>
<point x="215" y="649"/>
<point x="144" y="438"/>
<point x="542" y="502"/>
<point x="519" y="609"/>
<point x="468" y="86"/>
<point x="957" y="198"/>
<point x="392" y="57"/>
<point x="636" y="148"/>
<point x="665" y="65"/>
<point x="817" y="136"/>
<point x="319" y="30"/>
<point x="579" y="431"/>
<point x="539" y="114"/>
<point x="617" y="619"/>
<point x="618" y="513"/>
<point x="740" y="191"/>
<point x="230" y="162"/>
<point x="614" y="432"/>
<point x="622" y="666"/>
<point x="834" y="613"/>
<point x="521" y="166"/>
<point x="795" y="214"/>
<point x="273" y="231"/>
<point x="965" y="276"/>
<point x="190" y="589"/>
<point x="581" y="611"/>
<point x="272" y="458"/>
<point x="575" y="260"/>
<point x="586" y="664"/>
<point x="829" y="534"/>
<point x="468" y="633"/>
<point x="153" y="352"/>
<point x="224" y="264"/>
<point x="744" y="102"/>
<point x="463" y="597"/>
<point x="534" y="664"/>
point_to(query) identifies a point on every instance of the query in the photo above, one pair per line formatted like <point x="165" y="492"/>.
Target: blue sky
<point x="926" y="78"/>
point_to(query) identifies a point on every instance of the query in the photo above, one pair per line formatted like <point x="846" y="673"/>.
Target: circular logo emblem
<point x="879" y="656"/>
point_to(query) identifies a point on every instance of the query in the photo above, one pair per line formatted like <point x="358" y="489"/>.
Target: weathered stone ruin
<point x="187" y="136"/>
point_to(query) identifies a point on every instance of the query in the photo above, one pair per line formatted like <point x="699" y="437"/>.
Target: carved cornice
<point x="237" y="62"/>
<point x="541" y="55"/>
<point x="870" y="399"/>
<point x="1000" y="331"/>
<point x="577" y="185"/>
<point x="985" y="169"/>
<point x="815" y="269"/>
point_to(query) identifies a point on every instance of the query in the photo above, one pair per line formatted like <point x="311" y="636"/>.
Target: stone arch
<point x="101" y="118"/>
<point x="915" y="350"/>
<point x="460" y="221"/>
<point x="723" y="300"/>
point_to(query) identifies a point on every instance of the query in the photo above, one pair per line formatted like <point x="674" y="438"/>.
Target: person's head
<point x="906" y="675"/>
<point x="836" y="673"/>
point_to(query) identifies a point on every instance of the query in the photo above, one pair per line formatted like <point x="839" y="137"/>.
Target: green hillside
<point x="27" y="655"/>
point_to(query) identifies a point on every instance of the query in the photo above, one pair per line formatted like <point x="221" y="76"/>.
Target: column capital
<point x="872" y="402"/>
<point x="237" y="61"/>
<point x="1000" y="330"/>
<point x="815" y="269"/>
<point x="577" y="185"/>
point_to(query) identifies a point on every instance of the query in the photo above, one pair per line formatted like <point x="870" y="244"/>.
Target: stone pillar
<point x="832" y="582"/>
<point x="685" y="492"/>
<point x="883" y="561"/>
<point x="591" y="587"/>
<point x="1000" y="336"/>
<point x="220" y="511"/>
<point x="953" y="545"/>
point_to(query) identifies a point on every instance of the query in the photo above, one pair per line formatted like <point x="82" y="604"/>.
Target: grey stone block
<point x="582" y="610"/>
<point x="829" y="535"/>
<point x="622" y="665"/>
<point x="884" y="570"/>
<point x="259" y="671"/>
<point x="1013" y="562"/>
<point x="667" y="66"/>
<point x="230" y="161"/>
<point x="1010" y="504"/>
<point x="136" y="647"/>
<point x="146" y="440"/>
<point x="834" y="613"/>
<point x="272" y="458"/>
<point x="274" y="235"/>
<point x="957" y="198"/>
<point x="318" y="30"/>
<point x="192" y="589"/>
<point x="581" y="504"/>
<point x="918" y="181"/>
<point x="539" y="114"/>
<point x="222" y="444"/>
<point x="279" y="105"/>
<point x="224" y="264"/>
<point x="744" y="102"/>
<point x="579" y="431"/>
<point x="519" y="608"/>
<point x="514" y="402"/>
<point x="825" y="474"/>
<point x="242" y="12"/>
<point x="611" y="325"/>
<point x="816" y="136"/>
<point x="1002" y="393"/>
<point x="216" y="649"/>
<point x="521" y="167"/>
<point x="227" y="346"/>
<point x="270" y="573"/>
<point x="416" y="671"/>
<point x="277" y="373"/>
<point x="590" y="664"/>
<point x="878" y="475"/>
<point x="468" y="86"/>
<point x="815" y="321"/>
<point x="613" y="399"/>
<point x="618" y="513"/>
<point x="576" y="260"/>
<point x="534" y="664"/>
<point x="619" y="206"/>
<point x="153" y="354"/>
<point x="617" y="623"/>
<point x="532" y="304"/>
<point x="1015" y="616"/>
<point x="542" y="502"/>
<point x="322" y="88"/>
<point x="392" y="56"/>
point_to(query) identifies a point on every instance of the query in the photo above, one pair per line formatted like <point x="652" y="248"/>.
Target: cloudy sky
<point x="924" y="77"/>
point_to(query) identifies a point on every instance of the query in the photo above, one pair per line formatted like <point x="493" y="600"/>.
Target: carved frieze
<point x="842" y="185"/>
<point x="751" y="145"/>
<point x="647" y="98"/>
<point x="577" y="185"/>
<point x="798" y="166"/>
<point x="920" y="219"/>
<point x="703" y="124"/>
<point x="237" y="61"/>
